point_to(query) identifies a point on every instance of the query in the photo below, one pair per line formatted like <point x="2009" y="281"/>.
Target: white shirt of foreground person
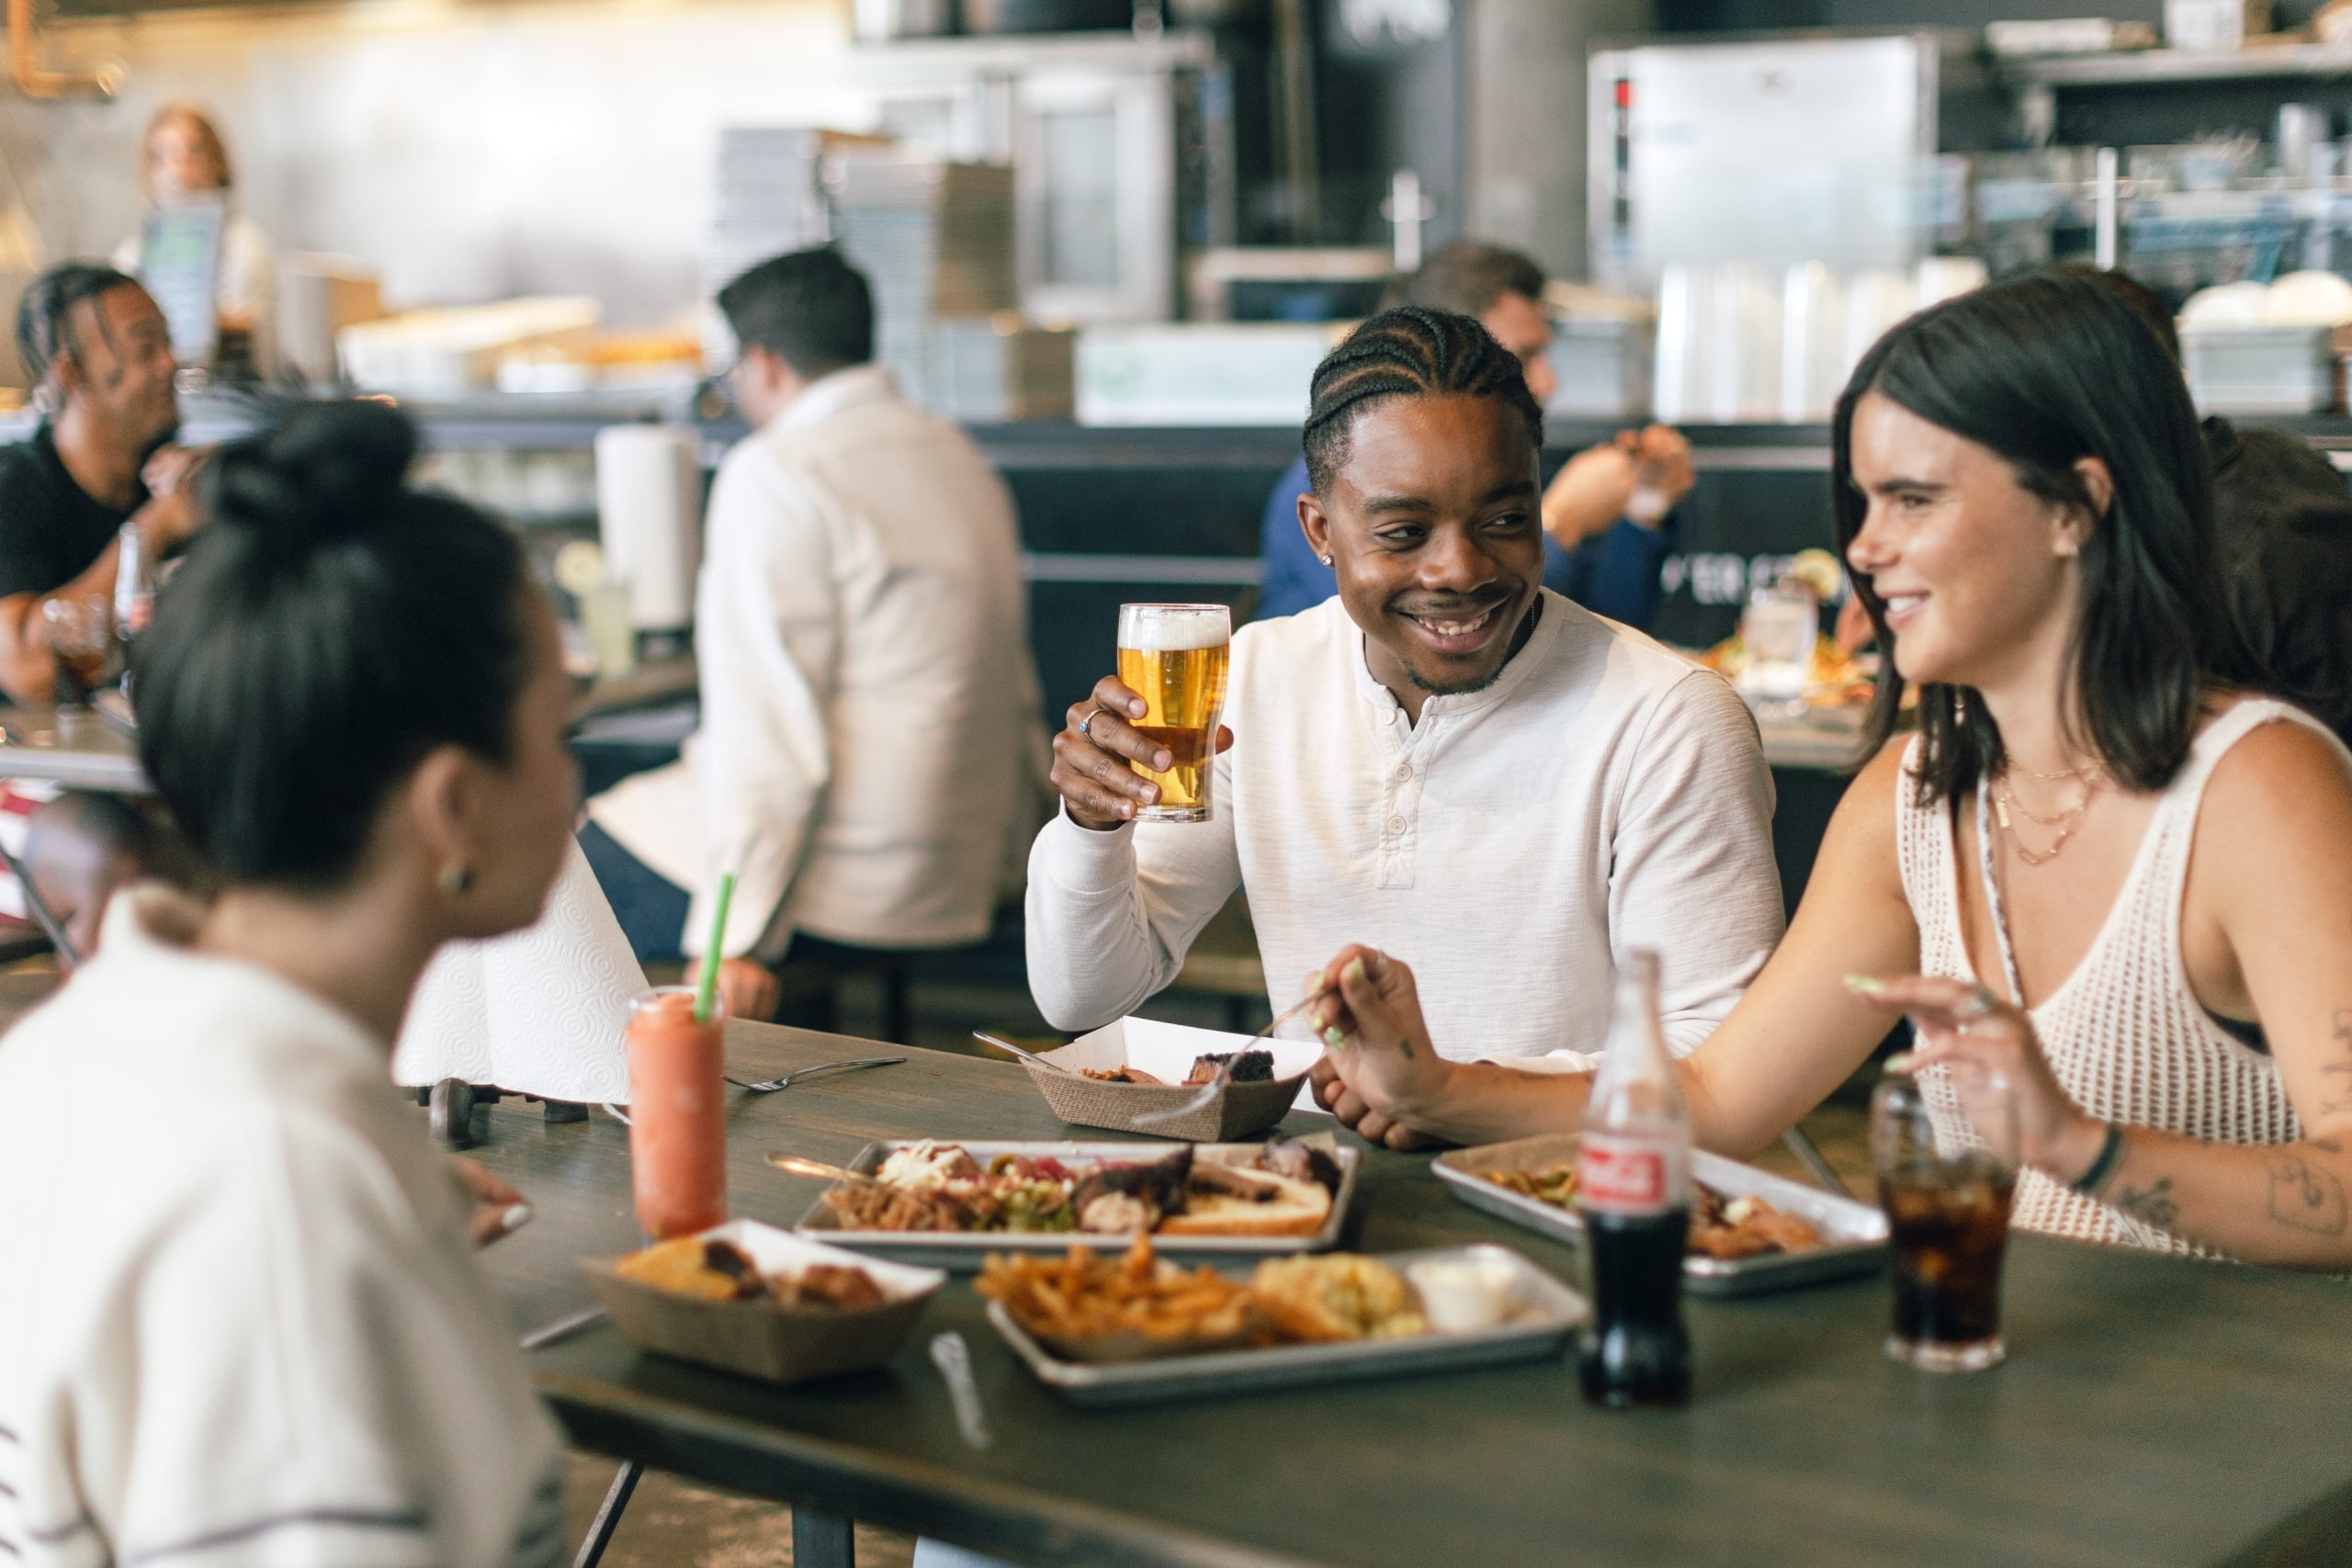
<point x="1603" y="794"/>
<point x="241" y="1318"/>
<point x="870" y="744"/>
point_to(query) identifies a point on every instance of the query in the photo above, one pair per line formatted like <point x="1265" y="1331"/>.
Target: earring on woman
<point x="456" y="880"/>
<point x="1325" y="559"/>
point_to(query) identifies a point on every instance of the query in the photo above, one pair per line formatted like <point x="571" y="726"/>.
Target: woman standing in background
<point x="181" y="158"/>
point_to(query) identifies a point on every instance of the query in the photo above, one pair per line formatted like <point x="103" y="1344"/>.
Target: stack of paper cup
<point x="649" y="506"/>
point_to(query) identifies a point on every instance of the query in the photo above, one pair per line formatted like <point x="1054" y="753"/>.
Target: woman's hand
<point x="1379" y="1065"/>
<point x="499" y="1210"/>
<point x="1960" y="1024"/>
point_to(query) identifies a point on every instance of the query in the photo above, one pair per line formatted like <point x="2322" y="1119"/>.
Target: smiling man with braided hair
<point x="1508" y="788"/>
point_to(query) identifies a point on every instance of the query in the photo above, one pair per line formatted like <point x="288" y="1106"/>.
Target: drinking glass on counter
<point x="81" y="636"/>
<point x="1175" y="657"/>
<point x="1779" y="630"/>
<point x="1948" y="1209"/>
<point x="677" y="1112"/>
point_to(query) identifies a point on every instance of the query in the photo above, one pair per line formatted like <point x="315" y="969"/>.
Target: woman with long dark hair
<point x="238" y="1306"/>
<point x="2101" y="865"/>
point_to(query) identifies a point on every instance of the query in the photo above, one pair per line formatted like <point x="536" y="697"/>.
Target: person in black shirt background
<point x="2282" y="524"/>
<point x="100" y="358"/>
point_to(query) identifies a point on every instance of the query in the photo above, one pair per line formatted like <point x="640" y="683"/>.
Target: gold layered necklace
<point x="2087" y="776"/>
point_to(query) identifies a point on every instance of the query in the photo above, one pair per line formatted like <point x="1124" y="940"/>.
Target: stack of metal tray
<point x="1854" y="1234"/>
<point x="1549" y="1313"/>
<point x="962" y="1251"/>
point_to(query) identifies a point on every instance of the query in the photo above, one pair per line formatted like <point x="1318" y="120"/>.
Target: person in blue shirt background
<point x="1607" y="516"/>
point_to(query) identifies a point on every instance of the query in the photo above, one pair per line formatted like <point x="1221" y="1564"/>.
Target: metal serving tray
<point x="963" y="1250"/>
<point x="1854" y="1233"/>
<point x="1549" y="1314"/>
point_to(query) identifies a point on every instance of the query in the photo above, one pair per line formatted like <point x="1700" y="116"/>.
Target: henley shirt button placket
<point x="1403" y="803"/>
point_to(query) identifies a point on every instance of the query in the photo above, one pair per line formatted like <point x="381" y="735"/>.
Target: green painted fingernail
<point x="1354" y="971"/>
<point x="1333" y="1038"/>
<point x="1864" y="983"/>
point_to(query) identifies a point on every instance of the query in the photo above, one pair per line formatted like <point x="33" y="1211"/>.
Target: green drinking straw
<point x="706" y="988"/>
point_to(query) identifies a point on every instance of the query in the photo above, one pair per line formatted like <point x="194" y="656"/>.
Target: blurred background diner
<point x="194" y="248"/>
<point x="840" y="366"/>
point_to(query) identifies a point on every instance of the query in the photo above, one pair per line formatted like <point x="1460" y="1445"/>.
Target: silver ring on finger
<point x="1091" y="715"/>
<point x="1981" y="1003"/>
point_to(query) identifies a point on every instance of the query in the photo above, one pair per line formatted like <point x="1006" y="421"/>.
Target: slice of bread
<point x="1275" y="1205"/>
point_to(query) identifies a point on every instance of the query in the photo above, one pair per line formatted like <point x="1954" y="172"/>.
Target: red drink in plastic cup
<point x="677" y="1134"/>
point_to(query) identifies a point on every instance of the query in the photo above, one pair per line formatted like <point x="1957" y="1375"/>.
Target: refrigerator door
<point x="1775" y="153"/>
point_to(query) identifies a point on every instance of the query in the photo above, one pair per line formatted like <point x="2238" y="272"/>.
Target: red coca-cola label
<point x="1628" y="1175"/>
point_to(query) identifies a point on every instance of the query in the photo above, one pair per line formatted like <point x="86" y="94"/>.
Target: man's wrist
<point x="1074" y="820"/>
<point x="1087" y="861"/>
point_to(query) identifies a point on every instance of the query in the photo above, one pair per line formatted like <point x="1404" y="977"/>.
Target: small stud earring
<point x="456" y="881"/>
<point x="1325" y="559"/>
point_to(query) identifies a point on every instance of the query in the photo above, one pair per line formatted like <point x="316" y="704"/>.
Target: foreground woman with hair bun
<point x="2125" y="880"/>
<point x="240" y="1314"/>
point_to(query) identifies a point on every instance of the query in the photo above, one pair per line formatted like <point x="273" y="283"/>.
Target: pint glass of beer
<point x="1947" y="1215"/>
<point x="1174" y="657"/>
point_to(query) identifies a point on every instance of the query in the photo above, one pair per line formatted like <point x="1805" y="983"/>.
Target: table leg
<point x="608" y="1515"/>
<point x="1809" y="1156"/>
<point x="822" y="1540"/>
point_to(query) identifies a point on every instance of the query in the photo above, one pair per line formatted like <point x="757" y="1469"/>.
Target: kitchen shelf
<point x="2147" y="66"/>
<point x="1013" y="54"/>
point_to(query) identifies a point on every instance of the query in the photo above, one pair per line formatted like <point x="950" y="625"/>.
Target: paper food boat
<point x="765" y="1338"/>
<point x="1167" y="1052"/>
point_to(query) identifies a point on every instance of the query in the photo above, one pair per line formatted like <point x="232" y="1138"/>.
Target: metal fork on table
<point x="797" y="1074"/>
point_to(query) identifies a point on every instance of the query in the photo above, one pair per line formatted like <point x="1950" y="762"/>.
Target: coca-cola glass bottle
<point x="1633" y="1191"/>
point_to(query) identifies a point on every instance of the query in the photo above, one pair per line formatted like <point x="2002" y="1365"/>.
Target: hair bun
<point x="326" y="468"/>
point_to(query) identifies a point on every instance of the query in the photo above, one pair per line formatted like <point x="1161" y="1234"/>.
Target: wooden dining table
<point x="2152" y="1411"/>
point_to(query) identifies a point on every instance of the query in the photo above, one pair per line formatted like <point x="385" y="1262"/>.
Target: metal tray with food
<point x="1851" y="1236"/>
<point x="1539" y="1315"/>
<point x="1195" y="1200"/>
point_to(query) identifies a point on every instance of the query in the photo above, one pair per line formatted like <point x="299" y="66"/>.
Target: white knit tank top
<point x="2125" y="1035"/>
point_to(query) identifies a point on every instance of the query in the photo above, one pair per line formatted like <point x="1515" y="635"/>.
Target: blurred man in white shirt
<point x="870" y="738"/>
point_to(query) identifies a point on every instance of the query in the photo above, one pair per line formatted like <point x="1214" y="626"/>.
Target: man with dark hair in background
<point x="870" y="745"/>
<point x="100" y="357"/>
<point x="2282" y="526"/>
<point x="1607" y="516"/>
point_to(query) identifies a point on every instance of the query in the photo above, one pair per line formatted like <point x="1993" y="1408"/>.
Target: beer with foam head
<point x="1175" y="657"/>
